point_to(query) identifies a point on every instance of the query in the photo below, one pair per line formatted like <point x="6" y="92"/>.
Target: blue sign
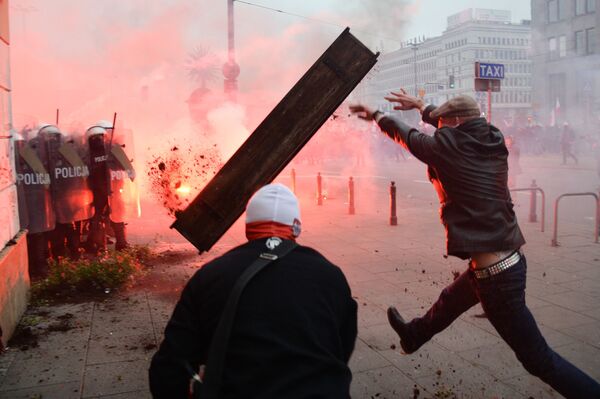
<point x="489" y="71"/>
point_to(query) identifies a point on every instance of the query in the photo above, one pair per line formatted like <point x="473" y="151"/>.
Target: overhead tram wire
<point x="320" y="21"/>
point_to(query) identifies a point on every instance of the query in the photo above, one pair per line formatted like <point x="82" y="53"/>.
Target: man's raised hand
<point x="406" y="102"/>
<point x="362" y="111"/>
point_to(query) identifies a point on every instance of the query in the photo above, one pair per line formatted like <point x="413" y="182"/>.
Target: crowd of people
<point x="562" y="139"/>
<point x="73" y="189"/>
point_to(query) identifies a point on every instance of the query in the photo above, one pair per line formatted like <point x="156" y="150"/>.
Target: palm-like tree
<point x="202" y="66"/>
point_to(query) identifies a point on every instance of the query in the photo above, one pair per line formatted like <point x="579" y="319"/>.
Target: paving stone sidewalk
<point x="106" y="350"/>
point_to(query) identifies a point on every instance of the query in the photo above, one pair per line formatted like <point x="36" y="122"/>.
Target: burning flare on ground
<point x="177" y="175"/>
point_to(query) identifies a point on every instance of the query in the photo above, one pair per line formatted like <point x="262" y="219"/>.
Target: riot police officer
<point x="33" y="183"/>
<point x="123" y="190"/>
<point x="111" y="174"/>
<point x="71" y="195"/>
<point x="99" y="184"/>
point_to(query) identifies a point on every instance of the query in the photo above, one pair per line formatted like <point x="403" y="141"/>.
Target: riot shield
<point x="71" y="194"/>
<point x="96" y="158"/>
<point x="19" y="142"/>
<point x="124" y="198"/>
<point x="33" y="175"/>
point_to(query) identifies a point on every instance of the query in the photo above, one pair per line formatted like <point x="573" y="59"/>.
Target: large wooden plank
<point x="276" y="140"/>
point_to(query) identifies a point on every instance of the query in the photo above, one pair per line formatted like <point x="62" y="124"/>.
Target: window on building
<point x="552" y="10"/>
<point x="579" y="42"/>
<point x="563" y="10"/>
<point x="552" y="48"/>
<point x="591" y="5"/>
<point x="562" y="46"/>
<point x="580" y="7"/>
<point x="590" y="40"/>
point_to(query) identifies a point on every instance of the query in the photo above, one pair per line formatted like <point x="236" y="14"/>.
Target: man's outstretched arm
<point x="422" y="146"/>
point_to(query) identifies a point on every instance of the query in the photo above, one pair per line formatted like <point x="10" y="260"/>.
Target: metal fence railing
<point x="596" y="226"/>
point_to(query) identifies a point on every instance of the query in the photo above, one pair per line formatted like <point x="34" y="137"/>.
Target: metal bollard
<point x="319" y="189"/>
<point x="533" y="203"/>
<point x="351" y="209"/>
<point x="294" y="180"/>
<point x="393" y="217"/>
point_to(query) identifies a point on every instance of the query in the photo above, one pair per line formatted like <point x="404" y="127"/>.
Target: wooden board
<point x="276" y="141"/>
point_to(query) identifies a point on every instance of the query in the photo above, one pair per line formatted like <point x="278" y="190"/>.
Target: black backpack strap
<point x="215" y="361"/>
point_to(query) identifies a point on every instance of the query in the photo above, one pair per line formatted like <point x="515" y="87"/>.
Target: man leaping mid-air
<point x="467" y="164"/>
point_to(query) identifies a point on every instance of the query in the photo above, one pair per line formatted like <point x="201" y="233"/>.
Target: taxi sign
<point x="484" y="70"/>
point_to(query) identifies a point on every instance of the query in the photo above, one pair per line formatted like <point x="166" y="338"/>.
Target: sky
<point x="424" y="17"/>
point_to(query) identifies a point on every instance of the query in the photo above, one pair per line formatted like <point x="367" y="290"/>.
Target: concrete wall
<point x="14" y="284"/>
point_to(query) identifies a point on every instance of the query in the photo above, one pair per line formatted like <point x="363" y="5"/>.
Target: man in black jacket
<point x="467" y="164"/>
<point x="295" y="324"/>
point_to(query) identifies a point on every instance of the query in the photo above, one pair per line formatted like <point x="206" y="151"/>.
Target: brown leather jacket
<point x="468" y="167"/>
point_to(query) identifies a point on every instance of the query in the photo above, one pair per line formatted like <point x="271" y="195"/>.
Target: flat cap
<point x="459" y="106"/>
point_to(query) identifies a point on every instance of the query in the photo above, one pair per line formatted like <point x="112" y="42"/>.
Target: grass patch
<point x="86" y="277"/>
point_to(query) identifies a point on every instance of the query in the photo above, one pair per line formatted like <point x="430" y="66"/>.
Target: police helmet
<point x="94" y="131"/>
<point x="47" y="128"/>
<point x="105" y="124"/>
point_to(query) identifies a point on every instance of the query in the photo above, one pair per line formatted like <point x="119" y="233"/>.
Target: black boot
<point x="119" y="230"/>
<point x="57" y="241"/>
<point x="399" y="325"/>
<point x="96" y="241"/>
<point x="74" y="240"/>
<point x="37" y="248"/>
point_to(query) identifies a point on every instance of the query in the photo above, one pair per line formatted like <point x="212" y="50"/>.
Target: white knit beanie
<point x="274" y="203"/>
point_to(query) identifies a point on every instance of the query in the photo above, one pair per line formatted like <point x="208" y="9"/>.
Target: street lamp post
<point x="415" y="48"/>
<point x="231" y="70"/>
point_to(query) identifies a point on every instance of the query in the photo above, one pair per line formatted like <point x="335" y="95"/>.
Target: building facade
<point x="566" y="60"/>
<point x="14" y="276"/>
<point x="442" y="67"/>
<point x="9" y="219"/>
